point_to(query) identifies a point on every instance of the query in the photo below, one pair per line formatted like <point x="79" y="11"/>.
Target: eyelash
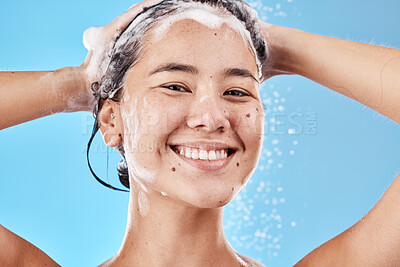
<point x="238" y="93"/>
<point x="168" y="86"/>
<point x="242" y="93"/>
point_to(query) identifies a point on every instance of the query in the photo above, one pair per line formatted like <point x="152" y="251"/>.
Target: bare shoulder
<point x="250" y="261"/>
<point x="16" y="251"/>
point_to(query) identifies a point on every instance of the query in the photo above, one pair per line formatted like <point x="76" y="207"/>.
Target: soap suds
<point x="93" y="40"/>
<point x="132" y="135"/>
<point x="82" y="100"/>
<point x="208" y="16"/>
<point x="143" y="204"/>
<point x="51" y="83"/>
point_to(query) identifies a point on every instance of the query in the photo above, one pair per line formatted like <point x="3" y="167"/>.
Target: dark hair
<point x="128" y="47"/>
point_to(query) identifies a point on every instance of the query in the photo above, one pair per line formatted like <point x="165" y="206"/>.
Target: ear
<point x="111" y="126"/>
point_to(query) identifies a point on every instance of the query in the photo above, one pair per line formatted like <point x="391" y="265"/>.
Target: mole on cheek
<point x="248" y="115"/>
<point x="237" y="163"/>
<point x="233" y="189"/>
<point x="256" y="109"/>
<point x="173" y="169"/>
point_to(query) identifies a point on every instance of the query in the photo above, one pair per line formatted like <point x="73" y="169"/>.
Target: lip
<point x="205" y="165"/>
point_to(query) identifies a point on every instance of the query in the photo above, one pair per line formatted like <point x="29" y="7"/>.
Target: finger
<point x="132" y="6"/>
<point x="122" y="21"/>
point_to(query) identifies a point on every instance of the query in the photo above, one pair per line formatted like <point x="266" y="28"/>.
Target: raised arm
<point x="370" y="75"/>
<point x="29" y="95"/>
<point x="366" y="73"/>
<point x="372" y="241"/>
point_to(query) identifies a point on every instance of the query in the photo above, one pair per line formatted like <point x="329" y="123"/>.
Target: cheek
<point x="249" y="124"/>
<point x="159" y="117"/>
<point x="134" y="146"/>
<point x="148" y="123"/>
<point x="155" y="118"/>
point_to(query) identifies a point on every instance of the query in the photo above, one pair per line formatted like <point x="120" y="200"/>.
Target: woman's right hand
<point x="99" y="41"/>
<point x="66" y="89"/>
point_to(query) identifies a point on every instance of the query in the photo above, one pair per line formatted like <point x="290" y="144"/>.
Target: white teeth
<point x="211" y="155"/>
<point x="188" y="154"/>
<point x="203" y="155"/>
<point x="223" y="154"/>
<point x="195" y="154"/>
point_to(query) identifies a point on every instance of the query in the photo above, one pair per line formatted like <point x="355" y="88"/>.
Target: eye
<point x="175" y="87"/>
<point x="236" y="93"/>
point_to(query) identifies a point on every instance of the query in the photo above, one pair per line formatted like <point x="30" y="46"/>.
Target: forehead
<point x="193" y="42"/>
<point x="210" y="17"/>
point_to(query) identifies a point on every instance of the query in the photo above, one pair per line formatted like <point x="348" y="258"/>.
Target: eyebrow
<point x="229" y="72"/>
<point x="236" y="72"/>
<point x="175" y="67"/>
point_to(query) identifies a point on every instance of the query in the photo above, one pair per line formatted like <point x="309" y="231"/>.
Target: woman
<point x="218" y="111"/>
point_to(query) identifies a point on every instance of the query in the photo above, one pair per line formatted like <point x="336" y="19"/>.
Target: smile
<point x="205" y="157"/>
<point x="202" y="154"/>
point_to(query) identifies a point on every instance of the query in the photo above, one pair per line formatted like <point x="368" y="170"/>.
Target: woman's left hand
<point x="370" y="75"/>
<point x="273" y="65"/>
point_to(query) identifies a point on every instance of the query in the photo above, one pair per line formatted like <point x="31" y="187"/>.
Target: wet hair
<point x="129" y="45"/>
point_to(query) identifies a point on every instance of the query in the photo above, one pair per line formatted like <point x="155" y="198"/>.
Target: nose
<point x="207" y="113"/>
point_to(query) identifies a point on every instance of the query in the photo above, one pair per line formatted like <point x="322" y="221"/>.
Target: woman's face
<point x="193" y="93"/>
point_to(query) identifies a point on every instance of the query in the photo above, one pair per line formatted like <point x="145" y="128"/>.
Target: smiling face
<point x="193" y="119"/>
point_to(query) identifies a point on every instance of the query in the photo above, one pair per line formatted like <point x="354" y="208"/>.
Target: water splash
<point x="272" y="9"/>
<point x="253" y="219"/>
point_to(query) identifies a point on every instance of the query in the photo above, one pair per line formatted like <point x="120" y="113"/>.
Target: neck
<point x="163" y="232"/>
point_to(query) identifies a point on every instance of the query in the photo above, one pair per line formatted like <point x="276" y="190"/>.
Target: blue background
<point x="326" y="160"/>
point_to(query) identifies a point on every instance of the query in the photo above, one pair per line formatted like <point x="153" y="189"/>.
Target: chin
<point x="211" y="198"/>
